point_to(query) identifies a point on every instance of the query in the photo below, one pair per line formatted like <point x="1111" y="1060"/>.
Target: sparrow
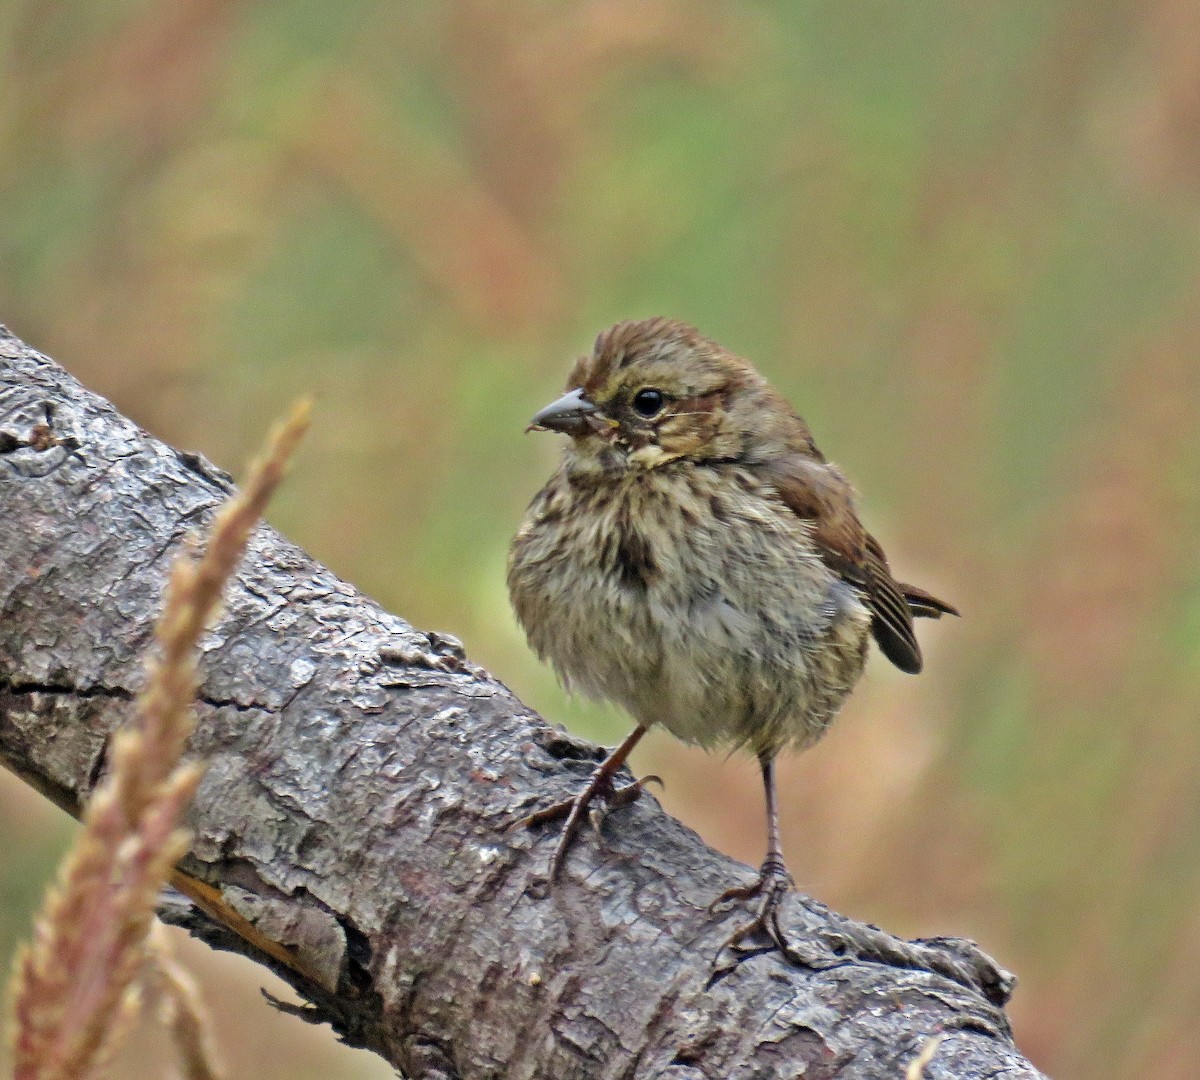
<point x="696" y="559"/>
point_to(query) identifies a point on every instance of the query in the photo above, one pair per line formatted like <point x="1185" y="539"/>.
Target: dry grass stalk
<point x="182" y="1010"/>
<point x="916" y="1067"/>
<point x="73" y="987"/>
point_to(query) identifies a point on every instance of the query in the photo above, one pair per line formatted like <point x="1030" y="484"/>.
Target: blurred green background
<point x="963" y="238"/>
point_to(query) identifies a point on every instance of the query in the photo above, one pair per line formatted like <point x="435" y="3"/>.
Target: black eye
<point x="648" y="402"/>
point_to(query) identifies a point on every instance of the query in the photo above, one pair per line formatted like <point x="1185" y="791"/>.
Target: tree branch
<point x="350" y="831"/>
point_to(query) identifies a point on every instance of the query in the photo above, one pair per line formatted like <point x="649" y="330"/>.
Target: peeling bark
<point x="361" y="778"/>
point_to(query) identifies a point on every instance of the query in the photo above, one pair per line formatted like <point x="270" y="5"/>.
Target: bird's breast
<point x="691" y="597"/>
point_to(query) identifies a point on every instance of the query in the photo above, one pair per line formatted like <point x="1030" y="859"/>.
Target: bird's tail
<point x="925" y="605"/>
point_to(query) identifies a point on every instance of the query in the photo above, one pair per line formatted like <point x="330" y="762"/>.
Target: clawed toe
<point x="541" y="817"/>
<point x="736" y="894"/>
<point x="614" y="799"/>
<point x="582" y="807"/>
<point x="611" y="799"/>
<point x="600" y="788"/>
<point x="631" y="792"/>
<point x="773" y="884"/>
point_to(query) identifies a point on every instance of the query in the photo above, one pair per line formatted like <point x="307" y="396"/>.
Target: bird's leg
<point x="773" y="884"/>
<point x="599" y="786"/>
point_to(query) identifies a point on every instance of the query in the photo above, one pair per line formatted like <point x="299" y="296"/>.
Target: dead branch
<point x="350" y="828"/>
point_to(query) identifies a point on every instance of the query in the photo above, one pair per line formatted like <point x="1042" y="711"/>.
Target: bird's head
<point x="657" y="391"/>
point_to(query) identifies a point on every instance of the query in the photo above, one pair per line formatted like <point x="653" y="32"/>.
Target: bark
<point x="351" y="829"/>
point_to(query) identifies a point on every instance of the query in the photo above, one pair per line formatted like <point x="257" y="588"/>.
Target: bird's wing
<point x="817" y="492"/>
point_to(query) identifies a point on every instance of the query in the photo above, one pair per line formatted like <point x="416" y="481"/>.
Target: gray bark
<point x="361" y="778"/>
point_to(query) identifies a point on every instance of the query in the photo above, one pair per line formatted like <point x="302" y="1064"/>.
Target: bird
<point x="695" y="559"/>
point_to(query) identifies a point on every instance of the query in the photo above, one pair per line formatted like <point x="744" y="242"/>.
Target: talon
<point x="738" y="892"/>
<point x="540" y="817"/>
<point x="772" y="877"/>
<point x="741" y="953"/>
<point x="773" y="884"/>
<point x="575" y="810"/>
<point x="631" y="792"/>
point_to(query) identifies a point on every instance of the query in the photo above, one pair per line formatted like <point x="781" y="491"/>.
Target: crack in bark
<point x="237" y="706"/>
<point x="116" y="693"/>
<point x="14" y="686"/>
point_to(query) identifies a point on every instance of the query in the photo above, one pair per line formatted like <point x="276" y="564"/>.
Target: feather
<point x="817" y="492"/>
<point x="925" y="605"/>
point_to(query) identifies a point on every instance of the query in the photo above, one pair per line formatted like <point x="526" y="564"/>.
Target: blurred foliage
<point x="964" y="240"/>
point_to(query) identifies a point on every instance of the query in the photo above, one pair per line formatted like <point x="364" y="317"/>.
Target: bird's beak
<point x="571" y="414"/>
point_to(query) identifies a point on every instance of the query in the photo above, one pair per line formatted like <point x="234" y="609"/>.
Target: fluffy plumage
<point x="696" y="559"/>
<point x="704" y="567"/>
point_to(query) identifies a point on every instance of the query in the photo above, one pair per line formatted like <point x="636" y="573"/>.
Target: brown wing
<point x="817" y="492"/>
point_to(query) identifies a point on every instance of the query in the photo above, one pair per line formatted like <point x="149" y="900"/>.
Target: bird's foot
<point x="600" y="788"/>
<point x="773" y="884"/>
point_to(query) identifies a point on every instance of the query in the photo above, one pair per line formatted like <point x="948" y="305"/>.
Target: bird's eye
<point x="648" y="402"/>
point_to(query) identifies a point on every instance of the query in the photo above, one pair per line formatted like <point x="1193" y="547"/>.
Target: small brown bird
<point x="697" y="560"/>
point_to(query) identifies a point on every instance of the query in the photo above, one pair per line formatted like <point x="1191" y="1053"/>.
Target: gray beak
<point x="570" y="414"/>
